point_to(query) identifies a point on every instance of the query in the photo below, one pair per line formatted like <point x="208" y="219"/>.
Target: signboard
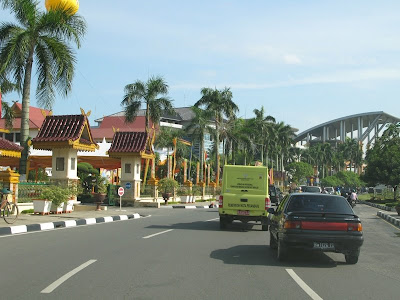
<point x="121" y="191"/>
<point x="128" y="185"/>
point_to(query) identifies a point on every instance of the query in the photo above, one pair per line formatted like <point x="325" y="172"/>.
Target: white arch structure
<point x="362" y="127"/>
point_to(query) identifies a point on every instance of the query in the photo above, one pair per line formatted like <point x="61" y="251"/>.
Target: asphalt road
<point x="182" y="254"/>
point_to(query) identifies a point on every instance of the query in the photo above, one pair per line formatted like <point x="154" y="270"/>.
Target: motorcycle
<point x="351" y="202"/>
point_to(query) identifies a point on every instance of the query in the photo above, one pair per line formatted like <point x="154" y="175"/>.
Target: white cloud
<point x="291" y="59"/>
<point x="347" y="76"/>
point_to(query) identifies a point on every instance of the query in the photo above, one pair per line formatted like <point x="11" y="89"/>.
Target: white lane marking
<point x="59" y="281"/>
<point x="212" y="220"/>
<point x="19" y="229"/>
<point x="303" y="285"/>
<point x="149" y="236"/>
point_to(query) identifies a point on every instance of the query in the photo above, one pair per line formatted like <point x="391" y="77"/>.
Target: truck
<point x="244" y="195"/>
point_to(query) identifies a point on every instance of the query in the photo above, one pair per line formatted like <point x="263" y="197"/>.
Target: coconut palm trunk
<point x="25" y="115"/>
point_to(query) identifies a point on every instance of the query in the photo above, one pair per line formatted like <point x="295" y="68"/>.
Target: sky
<point x="307" y="62"/>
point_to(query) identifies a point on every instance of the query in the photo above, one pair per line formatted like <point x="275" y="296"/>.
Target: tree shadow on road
<point x="263" y="255"/>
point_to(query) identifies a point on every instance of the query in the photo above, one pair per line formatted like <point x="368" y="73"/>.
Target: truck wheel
<point x="282" y="251"/>
<point x="222" y="222"/>
<point x="272" y="241"/>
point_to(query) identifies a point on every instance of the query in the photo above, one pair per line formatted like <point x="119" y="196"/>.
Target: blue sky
<point x="306" y="62"/>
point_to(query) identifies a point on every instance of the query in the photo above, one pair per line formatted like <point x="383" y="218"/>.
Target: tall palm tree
<point x="198" y="127"/>
<point x="6" y="112"/>
<point x="43" y="38"/>
<point x="262" y="129"/>
<point x="153" y="94"/>
<point x="220" y="103"/>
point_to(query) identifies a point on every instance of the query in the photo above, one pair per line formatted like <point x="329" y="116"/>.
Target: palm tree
<point x="40" y="37"/>
<point x="198" y="127"/>
<point x="5" y="87"/>
<point x="147" y="93"/>
<point x="220" y="104"/>
<point x="262" y="129"/>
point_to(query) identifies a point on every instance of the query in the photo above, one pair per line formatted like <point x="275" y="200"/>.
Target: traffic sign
<point x="128" y="185"/>
<point x="121" y="191"/>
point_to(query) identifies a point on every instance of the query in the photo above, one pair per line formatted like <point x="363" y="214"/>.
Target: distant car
<point x="318" y="222"/>
<point x="311" y="189"/>
<point x="274" y="194"/>
<point x="329" y="190"/>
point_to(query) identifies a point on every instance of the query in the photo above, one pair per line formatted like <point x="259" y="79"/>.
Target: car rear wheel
<point x="272" y="241"/>
<point x="282" y="251"/>
<point x="352" y="257"/>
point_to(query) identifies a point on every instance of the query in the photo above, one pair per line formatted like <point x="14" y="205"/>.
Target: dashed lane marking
<point x="303" y="285"/>
<point x="64" y="278"/>
<point x="162" y="232"/>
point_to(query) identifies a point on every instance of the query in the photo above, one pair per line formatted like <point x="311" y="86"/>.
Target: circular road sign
<point x="121" y="191"/>
<point x="128" y="185"/>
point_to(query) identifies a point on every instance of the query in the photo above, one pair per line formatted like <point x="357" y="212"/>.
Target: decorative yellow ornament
<point x="69" y="4"/>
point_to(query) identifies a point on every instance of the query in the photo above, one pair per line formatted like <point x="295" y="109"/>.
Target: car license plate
<point x="243" y="213"/>
<point x="324" y="246"/>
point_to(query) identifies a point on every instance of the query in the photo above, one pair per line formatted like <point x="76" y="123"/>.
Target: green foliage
<point x="383" y="160"/>
<point x="40" y="176"/>
<point x="167" y="185"/>
<point x="331" y="181"/>
<point x="350" y="179"/>
<point x="90" y="178"/>
<point x="300" y="171"/>
<point x="57" y="194"/>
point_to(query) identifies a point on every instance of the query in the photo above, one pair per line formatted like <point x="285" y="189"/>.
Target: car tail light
<point x="354" y="227"/>
<point x="267" y="203"/>
<point x="221" y="201"/>
<point x="292" y="225"/>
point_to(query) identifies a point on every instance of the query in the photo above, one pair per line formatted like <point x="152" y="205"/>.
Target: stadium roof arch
<point x="362" y="127"/>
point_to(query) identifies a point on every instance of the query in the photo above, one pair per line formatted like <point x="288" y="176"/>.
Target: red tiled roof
<point x="7" y="145"/>
<point x="36" y="117"/>
<point x="61" y="128"/>
<point x="105" y="130"/>
<point x="128" y="142"/>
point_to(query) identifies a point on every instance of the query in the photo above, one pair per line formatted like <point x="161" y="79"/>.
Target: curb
<point x="190" y="206"/>
<point x="63" y="224"/>
<point x="387" y="208"/>
<point x="390" y="219"/>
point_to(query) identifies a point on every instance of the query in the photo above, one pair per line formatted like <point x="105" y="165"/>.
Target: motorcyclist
<point x="352" y="198"/>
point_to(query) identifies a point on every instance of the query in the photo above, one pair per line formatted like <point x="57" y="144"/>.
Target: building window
<point x="73" y="164"/>
<point x="10" y="137"/>
<point x="17" y="137"/>
<point x="60" y="164"/>
<point x="137" y="168"/>
<point x="128" y="168"/>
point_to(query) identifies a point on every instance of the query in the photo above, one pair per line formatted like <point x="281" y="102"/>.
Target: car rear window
<point x="319" y="203"/>
<point x="312" y="189"/>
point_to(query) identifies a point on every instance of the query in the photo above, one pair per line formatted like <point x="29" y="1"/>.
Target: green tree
<point x="299" y="171"/>
<point x="220" y="103"/>
<point x="333" y="181"/>
<point x="40" y="39"/>
<point x="383" y="159"/>
<point x="153" y="94"/>
<point x="198" y="127"/>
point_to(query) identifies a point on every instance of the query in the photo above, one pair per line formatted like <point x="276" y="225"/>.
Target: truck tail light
<point x="221" y="201"/>
<point x="267" y="203"/>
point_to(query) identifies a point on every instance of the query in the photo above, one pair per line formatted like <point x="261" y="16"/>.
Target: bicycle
<point x="9" y="210"/>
